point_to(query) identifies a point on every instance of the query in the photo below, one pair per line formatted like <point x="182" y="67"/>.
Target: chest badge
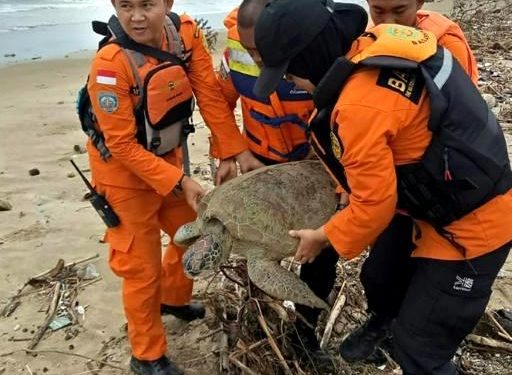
<point x="336" y="146"/>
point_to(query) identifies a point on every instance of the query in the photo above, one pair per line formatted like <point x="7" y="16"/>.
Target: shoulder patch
<point x="336" y="143"/>
<point x="108" y="101"/>
<point x="407" y="83"/>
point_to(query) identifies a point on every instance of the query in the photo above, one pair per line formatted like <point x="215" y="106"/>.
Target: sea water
<point x="32" y="29"/>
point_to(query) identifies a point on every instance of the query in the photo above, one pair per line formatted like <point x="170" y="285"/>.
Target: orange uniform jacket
<point x="278" y="142"/>
<point x="378" y="129"/>
<point x="131" y="166"/>
<point x="450" y="36"/>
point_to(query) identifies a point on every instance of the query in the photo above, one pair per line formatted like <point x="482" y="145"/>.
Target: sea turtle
<point x="251" y="216"/>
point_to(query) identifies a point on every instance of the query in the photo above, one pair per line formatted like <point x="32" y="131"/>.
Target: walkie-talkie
<point x="99" y="202"/>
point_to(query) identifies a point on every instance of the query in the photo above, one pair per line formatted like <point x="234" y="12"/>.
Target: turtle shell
<point x="261" y="206"/>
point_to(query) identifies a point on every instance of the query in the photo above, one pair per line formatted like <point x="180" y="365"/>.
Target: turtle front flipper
<point x="280" y="283"/>
<point x="186" y="234"/>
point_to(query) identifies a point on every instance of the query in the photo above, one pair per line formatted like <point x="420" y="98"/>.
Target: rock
<point x="34" y="172"/>
<point x="79" y="149"/>
<point x="490" y="100"/>
<point x="60" y="102"/>
<point x="5" y="206"/>
<point x="497" y="46"/>
<point x="71" y="175"/>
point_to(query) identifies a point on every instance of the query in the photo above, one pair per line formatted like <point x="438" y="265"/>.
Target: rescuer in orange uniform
<point x="146" y="188"/>
<point x="275" y="128"/>
<point x="447" y="32"/>
<point x="276" y="131"/>
<point x="374" y="277"/>
<point x="399" y="125"/>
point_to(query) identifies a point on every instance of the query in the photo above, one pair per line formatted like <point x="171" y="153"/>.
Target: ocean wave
<point x="30" y="27"/>
<point x="22" y="8"/>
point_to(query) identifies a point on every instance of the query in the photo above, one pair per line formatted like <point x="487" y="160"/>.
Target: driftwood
<point x="62" y="284"/>
<point x="241" y="366"/>
<point x="14" y="301"/>
<point x="272" y="342"/>
<point x="335" y="312"/>
<point x="49" y="317"/>
<point x="491" y="343"/>
<point x="501" y="331"/>
<point x="97" y="359"/>
<point x="29" y="351"/>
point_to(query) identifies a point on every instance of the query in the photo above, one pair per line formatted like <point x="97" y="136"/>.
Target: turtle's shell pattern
<point x="261" y="206"/>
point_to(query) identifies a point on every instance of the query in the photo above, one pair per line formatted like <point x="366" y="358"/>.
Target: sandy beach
<point x="49" y="220"/>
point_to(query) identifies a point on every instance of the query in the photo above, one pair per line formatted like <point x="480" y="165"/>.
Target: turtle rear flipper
<point x="280" y="283"/>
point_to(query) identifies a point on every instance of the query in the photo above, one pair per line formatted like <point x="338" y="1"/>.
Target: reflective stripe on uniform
<point x="446" y="68"/>
<point x="240" y="60"/>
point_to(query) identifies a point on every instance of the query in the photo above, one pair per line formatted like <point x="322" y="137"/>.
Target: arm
<point x="462" y="52"/>
<point x="226" y="85"/>
<point x="113" y="108"/>
<point x="226" y="136"/>
<point x="370" y="169"/>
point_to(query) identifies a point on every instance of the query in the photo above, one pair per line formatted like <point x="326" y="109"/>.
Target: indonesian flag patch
<point x="106" y="77"/>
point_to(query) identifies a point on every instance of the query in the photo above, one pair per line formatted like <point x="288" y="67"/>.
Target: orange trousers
<point x="136" y="256"/>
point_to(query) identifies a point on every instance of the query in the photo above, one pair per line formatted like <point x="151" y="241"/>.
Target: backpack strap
<point x="123" y="40"/>
<point x="325" y="96"/>
<point x="176" y="20"/>
<point x="329" y="88"/>
<point x="176" y="46"/>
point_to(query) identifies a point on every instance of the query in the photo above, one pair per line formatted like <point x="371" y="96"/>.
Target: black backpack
<point x="466" y="163"/>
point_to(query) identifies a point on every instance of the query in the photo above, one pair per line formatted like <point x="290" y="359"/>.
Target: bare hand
<point x="226" y="171"/>
<point x="311" y="244"/>
<point x="248" y="162"/>
<point x="193" y="192"/>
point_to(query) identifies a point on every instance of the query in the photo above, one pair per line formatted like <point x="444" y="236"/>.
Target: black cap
<point x="283" y="30"/>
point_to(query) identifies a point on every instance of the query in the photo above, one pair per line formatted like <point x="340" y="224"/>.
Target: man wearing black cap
<point x="276" y="131"/>
<point x="383" y="130"/>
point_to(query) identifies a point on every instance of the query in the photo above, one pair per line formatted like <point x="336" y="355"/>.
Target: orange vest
<point x="275" y="127"/>
<point x="449" y="35"/>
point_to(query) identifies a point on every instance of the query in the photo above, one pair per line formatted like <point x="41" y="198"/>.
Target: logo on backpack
<point x="463" y="284"/>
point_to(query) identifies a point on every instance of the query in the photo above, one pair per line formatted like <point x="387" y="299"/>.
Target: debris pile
<point x="59" y="287"/>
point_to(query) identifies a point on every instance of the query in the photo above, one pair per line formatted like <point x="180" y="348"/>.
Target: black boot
<point x="363" y="344"/>
<point x="161" y="366"/>
<point x="187" y="312"/>
<point x="307" y="348"/>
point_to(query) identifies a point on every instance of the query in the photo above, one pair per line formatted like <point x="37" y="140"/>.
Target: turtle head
<point x="208" y="251"/>
<point x="186" y="234"/>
